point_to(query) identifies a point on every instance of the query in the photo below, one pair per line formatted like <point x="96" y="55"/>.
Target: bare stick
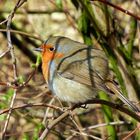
<point x="105" y="124"/>
<point x="47" y="111"/>
<point x="131" y="133"/>
<point x="3" y="21"/>
<point x="84" y="134"/>
<point x="8" y="116"/>
<point x="4" y="53"/>
<point x="31" y="105"/>
<point x="10" y="46"/>
<point x="21" y="85"/>
<point x="22" y="33"/>
<point x="67" y="113"/>
<point x="118" y="8"/>
<point x="55" y="122"/>
<point x="94" y="101"/>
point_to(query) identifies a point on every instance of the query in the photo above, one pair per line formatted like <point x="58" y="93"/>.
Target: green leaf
<point x="26" y="137"/>
<point x="36" y="131"/>
<point x="20" y="79"/>
<point x="84" y="27"/>
<point x="38" y="60"/>
<point x="2" y="117"/>
<point x="59" y="4"/>
<point x="115" y="68"/>
<point x="8" y="95"/>
<point x="83" y="22"/>
<point x="108" y="117"/>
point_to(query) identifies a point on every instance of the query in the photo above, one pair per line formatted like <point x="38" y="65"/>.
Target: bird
<point x="76" y="72"/>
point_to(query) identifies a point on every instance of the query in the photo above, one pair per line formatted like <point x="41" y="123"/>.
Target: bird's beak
<point x="38" y="49"/>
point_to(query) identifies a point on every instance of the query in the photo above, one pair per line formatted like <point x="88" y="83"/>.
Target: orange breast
<point x="47" y="57"/>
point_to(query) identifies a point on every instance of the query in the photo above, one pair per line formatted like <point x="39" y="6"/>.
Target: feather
<point x="91" y="70"/>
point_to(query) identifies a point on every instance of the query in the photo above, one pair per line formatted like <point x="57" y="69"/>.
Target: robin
<point x="74" y="71"/>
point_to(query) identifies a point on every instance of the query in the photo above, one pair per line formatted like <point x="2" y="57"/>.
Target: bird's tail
<point x="113" y="88"/>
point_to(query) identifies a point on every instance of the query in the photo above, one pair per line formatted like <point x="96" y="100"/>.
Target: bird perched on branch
<point x="76" y="72"/>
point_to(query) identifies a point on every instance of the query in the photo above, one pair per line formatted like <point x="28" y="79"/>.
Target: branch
<point x="112" y="105"/>
<point x="94" y="101"/>
<point x="118" y="8"/>
<point x="23" y="33"/>
<point x="4" y="53"/>
<point x="47" y="11"/>
<point x="16" y="86"/>
<point x="31" y="105"/>
<point x="4" y="21"/>
<point x="10" y="46"/>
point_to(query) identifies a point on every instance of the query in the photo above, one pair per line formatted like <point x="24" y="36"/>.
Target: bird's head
<point x="56" y="49"/>
<point x="50" y="51"/>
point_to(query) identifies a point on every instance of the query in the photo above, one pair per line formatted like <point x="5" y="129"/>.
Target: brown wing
<point x="89" y="70"/>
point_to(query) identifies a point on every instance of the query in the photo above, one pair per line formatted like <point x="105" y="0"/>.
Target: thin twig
<point x="94" y="101"/>
<point x="118" y="8"/>
<point x="21" y="85"/>
<point x="78" y="126"/>
<point x="131" y="133"/>
<point x="10" y="46"/>
<point x="8" y="116"/>
<point x="4" y="21"/>
<point x="31" y="105"/>
<point x="55" y="122"/>
<point x="112" y="105"/>
<point x="84" y="134"/>
<point x="68" y="15"/>
<point x="7" y="84"/>
<point x="47" y="11"/>
<point x="4" y="53"/>
<point x="22" y="33"/>
<point x="47" y="112"/>
<point x="29" y="78"/>
<point x="105" y="124"/>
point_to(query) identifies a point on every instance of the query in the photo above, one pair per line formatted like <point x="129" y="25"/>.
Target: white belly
<point x="71" y="91"/>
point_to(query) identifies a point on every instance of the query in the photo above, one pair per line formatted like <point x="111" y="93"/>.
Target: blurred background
<point x="92" y="22"/>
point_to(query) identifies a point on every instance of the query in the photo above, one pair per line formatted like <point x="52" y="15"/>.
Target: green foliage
<point x="115" y="68"/>
<point x="59" y="4"/>
<point x="137" y="137"/>
<point x="38" y="60"/>
<point x="26" y="137"/>
<point x="108" y="117"/>
<point x="84" y="27"/>
<point x="37" y="130"/>
<point x="2" y="117"/>
<point x="8" y="95"/>
<point x="5" y="102"/>
<point x="20" y="79"/>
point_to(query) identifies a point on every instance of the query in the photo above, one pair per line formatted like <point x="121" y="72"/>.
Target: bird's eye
<point x="51" y="49"/>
